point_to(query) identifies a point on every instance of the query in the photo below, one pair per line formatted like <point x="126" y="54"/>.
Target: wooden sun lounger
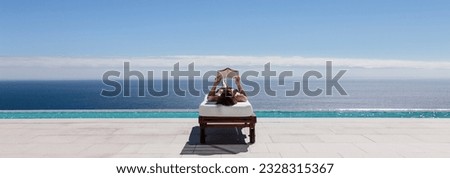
<point x="212" y="115"/>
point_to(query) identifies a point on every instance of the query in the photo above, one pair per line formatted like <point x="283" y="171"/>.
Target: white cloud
<point x="168" y="61"/>
<point x="93" y="68"/>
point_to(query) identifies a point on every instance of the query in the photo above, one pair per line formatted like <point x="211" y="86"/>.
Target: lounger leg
<point x="252" y="134"/>
<point x="202" y="134"/>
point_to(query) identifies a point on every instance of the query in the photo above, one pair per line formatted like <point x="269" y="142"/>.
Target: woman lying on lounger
<point x="226" y="95"/>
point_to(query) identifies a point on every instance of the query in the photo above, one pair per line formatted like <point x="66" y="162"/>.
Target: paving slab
<point x="179" y="138"/>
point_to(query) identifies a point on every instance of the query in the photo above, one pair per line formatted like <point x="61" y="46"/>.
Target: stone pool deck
<point x="154" y="138"/>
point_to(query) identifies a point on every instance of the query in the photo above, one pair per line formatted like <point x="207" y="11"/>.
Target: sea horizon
<point x="414" y="98"/>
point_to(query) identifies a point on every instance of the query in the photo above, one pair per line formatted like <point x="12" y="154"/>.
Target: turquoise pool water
<point x="111" y="114"/>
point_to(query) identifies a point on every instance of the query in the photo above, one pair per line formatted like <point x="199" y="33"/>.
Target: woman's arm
<point x="237" y="80"/>
<point x="240" y="96"/>
<point x="212" y="93"/>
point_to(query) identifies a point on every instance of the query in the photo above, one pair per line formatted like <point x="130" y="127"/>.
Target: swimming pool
<point x="131" y="114"/>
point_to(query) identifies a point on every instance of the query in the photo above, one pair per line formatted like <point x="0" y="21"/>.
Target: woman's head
<point x="226" y="97"/>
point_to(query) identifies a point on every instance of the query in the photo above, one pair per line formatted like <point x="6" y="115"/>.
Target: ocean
<point x="427" y="98"/>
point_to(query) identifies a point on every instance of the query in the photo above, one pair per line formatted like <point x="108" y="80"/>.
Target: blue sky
<point x="380" y="29"/>
<point x="66" y="39"/>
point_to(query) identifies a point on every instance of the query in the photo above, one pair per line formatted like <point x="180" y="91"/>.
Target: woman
<point x="226" y="95"/>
